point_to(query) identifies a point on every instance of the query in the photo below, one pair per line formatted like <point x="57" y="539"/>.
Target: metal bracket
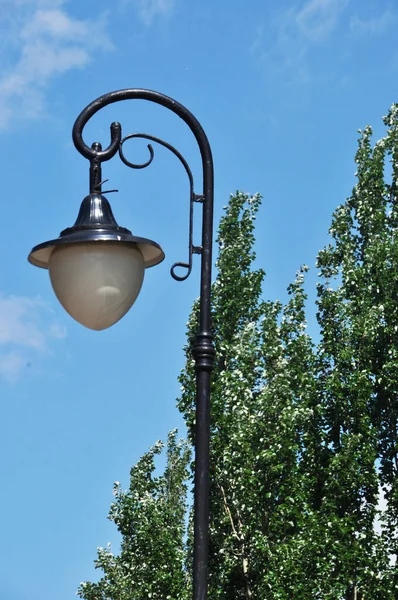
<point x="97" y="156"/>
<point x="192" y="196"/>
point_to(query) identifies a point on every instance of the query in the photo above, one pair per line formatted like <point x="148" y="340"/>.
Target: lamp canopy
<point x="96" y="223"/>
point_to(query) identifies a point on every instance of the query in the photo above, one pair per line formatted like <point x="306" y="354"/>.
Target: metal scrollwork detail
<point x="192" y="195"/>
<point x="135" y="165"/>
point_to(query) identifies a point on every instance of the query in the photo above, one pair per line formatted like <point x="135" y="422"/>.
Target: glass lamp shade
<point x="98" y="282"/>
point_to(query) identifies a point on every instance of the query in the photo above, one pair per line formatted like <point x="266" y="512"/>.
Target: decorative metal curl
<point x="135" y="165"/>
<point x="192" y="196"/>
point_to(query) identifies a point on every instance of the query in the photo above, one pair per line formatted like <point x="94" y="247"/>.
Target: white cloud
<point x="55" y="23"/>
<point x="149" y="10"/>
<point x="318" y="18"/>
<point x="27" y="330"/>
<point x="11" y="366"/>
<point x="373" y="25"/>
<point x="292" y="33"/>
<point x="39" y="41"/>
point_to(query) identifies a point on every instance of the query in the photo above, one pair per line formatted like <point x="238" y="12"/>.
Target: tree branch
<point x="239" y="536"/>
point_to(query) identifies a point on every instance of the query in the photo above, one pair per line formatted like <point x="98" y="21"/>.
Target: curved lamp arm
<point x="203" y="350"/>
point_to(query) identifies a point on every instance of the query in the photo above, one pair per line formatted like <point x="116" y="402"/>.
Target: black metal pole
<point x="203" y="349"/>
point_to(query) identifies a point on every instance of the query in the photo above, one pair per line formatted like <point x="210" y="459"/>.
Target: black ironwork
<point x="192" y="195"/>
<point x="95" y="222"/>
<point x="203" y="349"/>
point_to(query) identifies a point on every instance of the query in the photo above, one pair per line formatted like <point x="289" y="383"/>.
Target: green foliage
<point x="304" y="436"/>
<point x="150" y="517"/>
<point x="357" y="300"/>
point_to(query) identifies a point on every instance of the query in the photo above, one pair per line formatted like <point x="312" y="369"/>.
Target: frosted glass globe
<point x="98" y="282"/>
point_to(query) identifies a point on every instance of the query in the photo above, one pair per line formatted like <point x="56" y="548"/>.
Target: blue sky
<point x="280" y="88"/>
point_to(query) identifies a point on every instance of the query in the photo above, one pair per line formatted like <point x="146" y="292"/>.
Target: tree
<point x="150" y="517"/>
<point x="358" y="367"/>
<point x="304" y="436"/>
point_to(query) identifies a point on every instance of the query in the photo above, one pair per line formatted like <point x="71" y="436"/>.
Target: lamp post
<point x="97" y="268"/>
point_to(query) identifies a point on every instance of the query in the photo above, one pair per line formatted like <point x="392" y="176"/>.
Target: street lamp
<point x="97" y="268"/>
